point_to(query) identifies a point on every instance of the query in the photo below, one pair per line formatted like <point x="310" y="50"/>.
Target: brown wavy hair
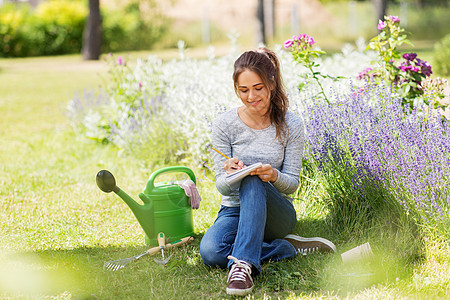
<point x="264" y="62"/>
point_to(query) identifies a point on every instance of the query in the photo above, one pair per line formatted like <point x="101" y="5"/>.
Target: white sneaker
<point x="240" y="280"/>
<point x="309" y="245"/>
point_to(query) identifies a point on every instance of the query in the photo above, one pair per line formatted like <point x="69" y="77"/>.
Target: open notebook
<point x="234" y="178"/>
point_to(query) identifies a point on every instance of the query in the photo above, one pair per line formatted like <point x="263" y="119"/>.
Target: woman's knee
<point x="252" y="186"/>
<point x="211" y="254"/>
<point x="251" y="180"/>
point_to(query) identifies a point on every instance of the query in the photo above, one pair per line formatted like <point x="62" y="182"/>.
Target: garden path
<point x="240" y="14"/>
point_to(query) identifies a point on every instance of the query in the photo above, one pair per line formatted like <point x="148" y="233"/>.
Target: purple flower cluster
<point x="410" y="56"/>
<point x="415" y="64"/>
<point x="302" y="40"/>
<point x="369" y="133"/>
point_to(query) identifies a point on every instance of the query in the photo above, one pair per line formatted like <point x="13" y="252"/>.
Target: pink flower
<point x="288" y="43"/>
<point x="394" y="19"/>
<point x="306" y="38"/>
<point x="365" y="74"/>
<point x="404" y="68"/>
<point x="381" y="25"/>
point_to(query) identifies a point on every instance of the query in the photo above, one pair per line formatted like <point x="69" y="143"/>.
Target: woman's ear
<point x="272" y="84"/>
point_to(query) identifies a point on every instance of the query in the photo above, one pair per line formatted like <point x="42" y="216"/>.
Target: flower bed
<point x="375" y="143"/>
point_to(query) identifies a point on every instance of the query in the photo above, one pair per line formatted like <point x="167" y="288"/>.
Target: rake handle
<point x="177" y="243"/>
<point x="162" y="242"/>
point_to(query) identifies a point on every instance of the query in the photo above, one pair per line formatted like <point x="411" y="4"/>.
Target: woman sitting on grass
<point x="255" y="218"/>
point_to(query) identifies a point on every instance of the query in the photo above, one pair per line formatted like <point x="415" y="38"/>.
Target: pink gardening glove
<point x="191" y="191"/>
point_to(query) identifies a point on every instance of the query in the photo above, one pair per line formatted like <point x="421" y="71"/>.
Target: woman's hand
<point x="266" y="173"/>
<point x="232" y="165"/>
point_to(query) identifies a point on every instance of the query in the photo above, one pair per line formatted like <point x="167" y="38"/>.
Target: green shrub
<point x="128" y="28"/>
<point x="56" y="27"/>
<point x="442" y="56"/>
<point x="59" y="26"/>
<point x="12" y="24"/>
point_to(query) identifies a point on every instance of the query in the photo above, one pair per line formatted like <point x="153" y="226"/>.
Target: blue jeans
<point x="252" y="232"/>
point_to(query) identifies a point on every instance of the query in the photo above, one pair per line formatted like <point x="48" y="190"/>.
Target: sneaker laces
<point x="306" y="251"/>
<point x="239" y="270"/>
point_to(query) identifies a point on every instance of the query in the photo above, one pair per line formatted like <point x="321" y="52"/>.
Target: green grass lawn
<point x="58" y="228"/>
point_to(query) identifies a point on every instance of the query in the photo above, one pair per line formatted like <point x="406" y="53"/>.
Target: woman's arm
<point x="288" y="177"/>
<point x="221" y="142"/>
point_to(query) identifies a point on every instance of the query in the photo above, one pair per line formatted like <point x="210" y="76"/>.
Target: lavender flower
<point x="406" y="155"/>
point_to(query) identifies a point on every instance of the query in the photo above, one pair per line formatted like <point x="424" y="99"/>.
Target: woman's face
<point x="253" y="93"/>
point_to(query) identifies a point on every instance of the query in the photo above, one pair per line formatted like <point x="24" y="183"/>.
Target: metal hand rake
<point x="121" y="263"/>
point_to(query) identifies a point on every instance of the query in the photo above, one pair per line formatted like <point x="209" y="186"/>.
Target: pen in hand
<point x="220" y="153"/>
<point x="240" y="165"/>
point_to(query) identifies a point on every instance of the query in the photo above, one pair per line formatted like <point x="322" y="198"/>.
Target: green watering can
<point x="165" y="205"/>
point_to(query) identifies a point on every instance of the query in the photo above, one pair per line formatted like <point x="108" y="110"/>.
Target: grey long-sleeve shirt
<point x="234" y="138"/>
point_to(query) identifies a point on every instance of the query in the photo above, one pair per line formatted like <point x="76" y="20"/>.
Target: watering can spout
<point x="107" y="183"/>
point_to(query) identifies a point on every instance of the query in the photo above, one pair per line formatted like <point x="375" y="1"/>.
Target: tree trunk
<point x="269" y="18"/>
<point x="380" y="8"/>
<point x="260" y="26"/>
<point x="92" y="35"/>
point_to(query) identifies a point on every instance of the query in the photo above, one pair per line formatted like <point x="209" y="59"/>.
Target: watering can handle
<point x="150" y="184"/>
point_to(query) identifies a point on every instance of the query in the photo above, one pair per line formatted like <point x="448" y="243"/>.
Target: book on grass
<point x="234" y="178"/>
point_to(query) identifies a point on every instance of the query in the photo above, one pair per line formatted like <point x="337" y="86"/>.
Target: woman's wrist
<point x="274" y="175"/>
